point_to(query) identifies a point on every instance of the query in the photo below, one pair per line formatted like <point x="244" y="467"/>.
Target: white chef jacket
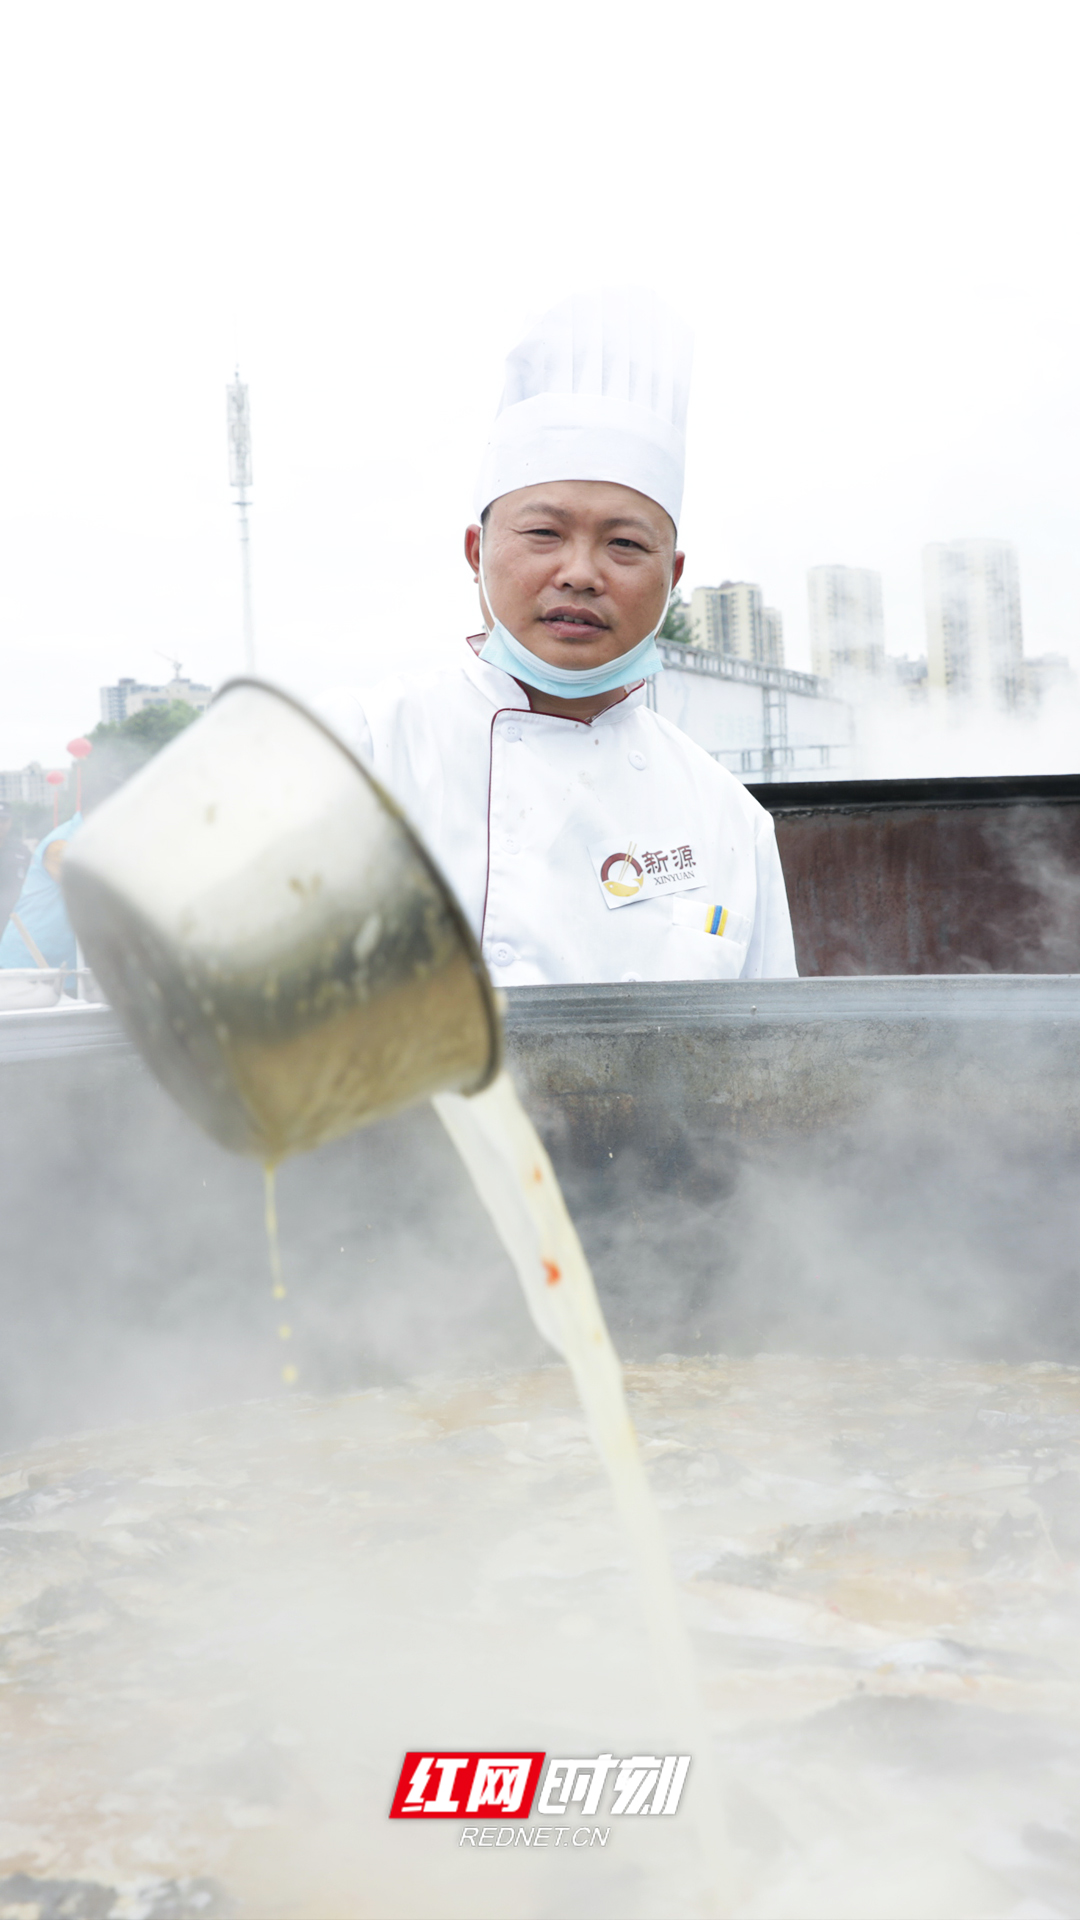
<point x="531" y="817"/>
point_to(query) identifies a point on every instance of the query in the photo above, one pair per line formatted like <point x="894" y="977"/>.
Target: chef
<point x="586" y="838"/>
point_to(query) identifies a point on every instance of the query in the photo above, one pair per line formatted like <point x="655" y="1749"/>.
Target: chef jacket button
<point x="511" y="846"/>
<point x="637" y="760"/>
<point x="631" y="976"/>
<point x="501" y="954"/>
<point x="512" y="732"/>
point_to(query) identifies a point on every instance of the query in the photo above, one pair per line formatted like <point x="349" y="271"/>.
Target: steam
<point x="897" y="739"/>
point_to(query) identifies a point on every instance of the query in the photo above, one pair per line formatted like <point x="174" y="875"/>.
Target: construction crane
<point x="176" y="665"/>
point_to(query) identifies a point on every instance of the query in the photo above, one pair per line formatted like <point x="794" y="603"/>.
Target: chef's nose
<point x="579" y="572"/>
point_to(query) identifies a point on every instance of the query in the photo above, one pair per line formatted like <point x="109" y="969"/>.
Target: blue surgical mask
<point x="500" y="649"/>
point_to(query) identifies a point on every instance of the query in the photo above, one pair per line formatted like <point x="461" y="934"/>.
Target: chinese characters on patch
<point x="676" y="860"/>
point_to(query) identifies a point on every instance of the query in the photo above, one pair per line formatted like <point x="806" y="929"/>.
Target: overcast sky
<point x="867" y="212"/>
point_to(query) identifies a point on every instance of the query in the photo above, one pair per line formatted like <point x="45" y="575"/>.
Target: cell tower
<point x="239" y="425"/>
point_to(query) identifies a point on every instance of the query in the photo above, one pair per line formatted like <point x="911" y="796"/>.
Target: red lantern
<point x="78" y="749"/>
<point x="56" y="781"/>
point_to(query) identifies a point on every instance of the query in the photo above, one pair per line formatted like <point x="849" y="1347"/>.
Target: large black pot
<point x="824" y="1166"/>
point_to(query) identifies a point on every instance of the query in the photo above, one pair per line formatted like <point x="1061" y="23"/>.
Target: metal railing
<point x="25" y="988"/>
<point x="782" y="763"/>
<point x="730" y="666"/>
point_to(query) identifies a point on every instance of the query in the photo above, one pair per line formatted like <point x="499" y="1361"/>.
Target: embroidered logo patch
<point x="642" y="865"/>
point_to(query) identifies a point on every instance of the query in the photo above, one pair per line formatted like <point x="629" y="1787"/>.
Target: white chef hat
<point x="597" y="391"/>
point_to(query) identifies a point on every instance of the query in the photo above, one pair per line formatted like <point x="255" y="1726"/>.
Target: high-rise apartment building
<point x="974" y="638"/>
<point x="731" y="619"/>
<point x="847" y="625"/>
<point x="772" y="636"/>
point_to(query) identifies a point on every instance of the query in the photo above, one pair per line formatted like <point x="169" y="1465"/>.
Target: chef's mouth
<point x="572" y="623"/>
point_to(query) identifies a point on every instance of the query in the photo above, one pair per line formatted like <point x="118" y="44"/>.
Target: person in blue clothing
<point x="39" y="933"/>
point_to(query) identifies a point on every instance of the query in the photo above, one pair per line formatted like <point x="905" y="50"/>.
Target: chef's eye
<point x="548" y="533"/>
<point x="630" y="546"/>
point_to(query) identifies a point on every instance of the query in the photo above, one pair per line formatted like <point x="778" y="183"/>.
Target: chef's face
<point x="579" y="571"/>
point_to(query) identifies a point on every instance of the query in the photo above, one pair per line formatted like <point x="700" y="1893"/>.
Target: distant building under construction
<point x="129" y="697"/>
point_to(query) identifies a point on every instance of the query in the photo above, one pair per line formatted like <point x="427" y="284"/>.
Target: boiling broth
<point x="220" y="1635"/>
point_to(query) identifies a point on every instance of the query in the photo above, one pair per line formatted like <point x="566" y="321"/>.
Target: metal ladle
<point x="273" y="935"/>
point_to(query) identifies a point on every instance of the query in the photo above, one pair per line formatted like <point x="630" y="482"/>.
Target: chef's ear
<point x="472" y="548"/>
<point x="679" y="564"/>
